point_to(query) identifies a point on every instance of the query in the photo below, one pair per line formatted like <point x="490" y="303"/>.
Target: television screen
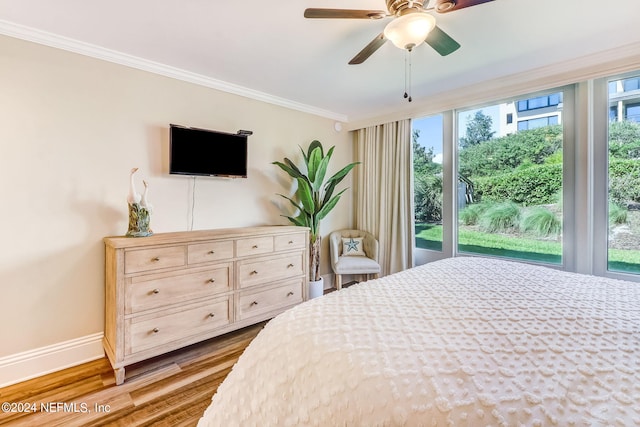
<point x="206" y="152"/>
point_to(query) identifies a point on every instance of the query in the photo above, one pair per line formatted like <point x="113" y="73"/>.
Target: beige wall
<point x="71" y="129"/>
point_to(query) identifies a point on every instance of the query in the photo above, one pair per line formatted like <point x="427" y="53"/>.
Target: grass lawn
<point x="624" y="261"/>
<point x="429" y="236"/>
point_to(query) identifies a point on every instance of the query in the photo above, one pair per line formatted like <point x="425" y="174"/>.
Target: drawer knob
<point x="155" y="259"/>
<point x="254" y="272"/>
<point x="253" y="303"/>
<point x="156" y="330"/>
<point x="291" y="242"/>
<point x="212" y="280"/>
<point x="290" y="266"/>
<point x="211" y="252"/>
<point x="255" y="247"/>
<point x="212" y="315"/>
<point x="290" y="294"/>
<point x="156" y="291"/>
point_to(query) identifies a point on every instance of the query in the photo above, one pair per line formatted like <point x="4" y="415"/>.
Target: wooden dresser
<point x="170" y="290"/>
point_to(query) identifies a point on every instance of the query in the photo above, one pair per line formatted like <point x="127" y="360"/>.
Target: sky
<point x="431" y="128"/>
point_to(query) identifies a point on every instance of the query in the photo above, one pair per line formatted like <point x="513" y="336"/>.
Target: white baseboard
<point x="30" y="364"/>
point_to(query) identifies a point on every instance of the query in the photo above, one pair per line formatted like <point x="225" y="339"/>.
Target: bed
<point x="459" y="342"/>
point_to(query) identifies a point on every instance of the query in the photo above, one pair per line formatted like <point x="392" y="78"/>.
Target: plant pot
<point x="316" y="288"/>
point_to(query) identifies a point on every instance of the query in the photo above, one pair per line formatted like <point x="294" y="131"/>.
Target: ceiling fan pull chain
<point x="407" y="75"/>
<point x="406" y="95"/>
<point x="410" y="75"/>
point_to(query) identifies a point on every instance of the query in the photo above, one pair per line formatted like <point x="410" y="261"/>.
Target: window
<point x="555" y="98"/>
<point x="509" y="118"/>
<point x="613" y="87"/>
<point x="539" y="102"/>
<point x="534" y="202"/>
<point x="538" y="122"/>
<point x="613" y="113"/>
<point x="510" y="185"/>
<point x="623" y="242"/>
<point x="632" y="112"/>
<point x="427" y="173"/>
<point x="631" y="84"/>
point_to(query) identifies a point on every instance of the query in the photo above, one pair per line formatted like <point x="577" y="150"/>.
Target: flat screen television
<point x="201" y="152"/>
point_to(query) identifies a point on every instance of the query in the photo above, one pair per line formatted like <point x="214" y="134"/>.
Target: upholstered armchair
<point x="353" y="252"/>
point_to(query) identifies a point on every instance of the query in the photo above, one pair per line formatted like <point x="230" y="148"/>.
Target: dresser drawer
<point x="153" y="258"/>
<point x="289" y="241"/>
<point x="209" y="251"/>
<point x="254" y="246"/>
<point x="147" y="332"/>
<point x="263" y="270"/>
<point x="160" y="290"/>
<point x="255" y="303"/>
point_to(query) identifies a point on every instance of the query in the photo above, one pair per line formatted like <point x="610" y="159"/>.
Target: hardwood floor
<point x="171" y="390"/>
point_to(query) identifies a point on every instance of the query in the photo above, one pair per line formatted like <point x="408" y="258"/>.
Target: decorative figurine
<point x="139" y="210"/>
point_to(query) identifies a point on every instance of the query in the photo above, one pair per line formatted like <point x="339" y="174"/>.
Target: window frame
<point x="585" y="245"/>
<point x="599" y="186"/>
<point x="450" y="190"/>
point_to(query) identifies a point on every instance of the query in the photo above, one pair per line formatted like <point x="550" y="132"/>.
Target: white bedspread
<point x="458" y="342"/>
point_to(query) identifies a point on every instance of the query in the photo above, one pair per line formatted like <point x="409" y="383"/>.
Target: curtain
<point x="384" y="191"/>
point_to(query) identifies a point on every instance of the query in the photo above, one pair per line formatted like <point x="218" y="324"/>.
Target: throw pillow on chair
<point x="352" y="246"/>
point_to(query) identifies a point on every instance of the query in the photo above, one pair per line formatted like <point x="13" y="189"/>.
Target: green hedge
<point x="501" y="155"/>
<point x="624" y="180"/>
<point x="624" y="139"/>
<point x="534" y="185"/>
<point x="539" y="184"/>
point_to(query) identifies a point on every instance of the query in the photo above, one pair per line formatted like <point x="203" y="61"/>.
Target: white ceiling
<point x="268" y="49"/>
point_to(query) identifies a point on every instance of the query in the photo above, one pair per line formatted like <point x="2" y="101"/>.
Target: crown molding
<point x="60" y="42"/>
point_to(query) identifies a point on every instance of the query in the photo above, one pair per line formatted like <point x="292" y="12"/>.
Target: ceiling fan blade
<point x="441" y="41"/>
<point x="444" y="6"/>
<point x="368" y="49"/>
<point x="344" y="13"/>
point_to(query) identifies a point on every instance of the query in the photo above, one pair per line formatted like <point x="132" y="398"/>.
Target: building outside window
<point x="624" y="96"/>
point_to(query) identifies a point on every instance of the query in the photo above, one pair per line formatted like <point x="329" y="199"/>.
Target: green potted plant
<point x="313" y="200"/>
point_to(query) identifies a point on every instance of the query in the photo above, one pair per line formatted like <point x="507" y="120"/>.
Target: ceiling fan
<point x="412" y="24"/>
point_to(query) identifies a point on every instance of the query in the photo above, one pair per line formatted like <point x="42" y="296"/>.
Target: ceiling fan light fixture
<point x="409" y="30"/>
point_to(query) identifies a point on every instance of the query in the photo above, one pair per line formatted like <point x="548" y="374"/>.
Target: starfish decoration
<point x="352" y="245"/>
